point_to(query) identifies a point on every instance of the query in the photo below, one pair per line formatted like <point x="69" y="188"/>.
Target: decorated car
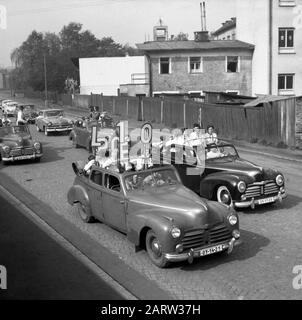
<point x="156" y="212"/>
<point x="81" y="134"/>
<point x="222" y="175"/>
<point x="17" y="144"/>
<point x="10" y="108"/>
<point x="30" y="113"/>
<point x="53" y="120"/>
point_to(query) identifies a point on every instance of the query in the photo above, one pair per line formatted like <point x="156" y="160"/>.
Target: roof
<point x="265" y="99"/>
<point x="194" y="45"/>
<point x="229" y="24"/>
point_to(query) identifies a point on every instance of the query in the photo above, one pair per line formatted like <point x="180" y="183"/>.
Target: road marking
<point x="66" y="244"/>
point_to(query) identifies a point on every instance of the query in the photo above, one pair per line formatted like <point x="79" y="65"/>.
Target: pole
<point x="45" y="81"/>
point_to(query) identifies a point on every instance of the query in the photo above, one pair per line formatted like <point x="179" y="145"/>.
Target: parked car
<point x="17" y="144"/>
<point x="53" y="120"/>
<point x="82" y="132"/>
<point x="30" y="113"/>
<point x="225" y="177"/>
<point x="3" y="102"/>
<point x="156" y="212"/>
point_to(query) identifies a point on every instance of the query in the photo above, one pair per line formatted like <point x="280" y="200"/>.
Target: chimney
<point x="201" y="36"/>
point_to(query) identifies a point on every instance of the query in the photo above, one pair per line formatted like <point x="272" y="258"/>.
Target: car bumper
<point x="255" y="202"/>
<point x="24" y="157"/>
<point x="58" y="129"/>
<point x="196" y="253"/>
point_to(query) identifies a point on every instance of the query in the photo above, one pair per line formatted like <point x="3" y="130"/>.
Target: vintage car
<point x="156" y="212"/>
<point x="30" y="113"/>
<point x="16" y="144"/>
<point x="222" y="175"/>
<point x="10" y="108"/>
<point x="82" y="132"/>
<point x="53" y="120"/>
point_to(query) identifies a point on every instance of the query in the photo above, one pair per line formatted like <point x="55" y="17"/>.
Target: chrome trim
<point x="23" y="157"/>
<point x="252" y="203"/>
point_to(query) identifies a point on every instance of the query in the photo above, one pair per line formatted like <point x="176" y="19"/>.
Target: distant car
<point x="17" y="144"/>
<point x="30" y="113"/>
<point x="3" y="102"/>
<point x="82" y="132"/>
<point x="226" y="177"/>
<point x="156" y="211"/>
<point x="10" y="108"/>
<point x="53" y="120"/>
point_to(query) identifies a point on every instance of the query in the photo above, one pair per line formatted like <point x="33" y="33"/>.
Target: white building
<point x="275" y="28"/>
<point x="105" y="75"/>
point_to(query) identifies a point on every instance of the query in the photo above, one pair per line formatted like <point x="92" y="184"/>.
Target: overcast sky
<point x="126" y="21"/>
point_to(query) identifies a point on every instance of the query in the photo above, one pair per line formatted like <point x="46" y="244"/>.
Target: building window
<point x="286" y="38"/>
<point x="164" y="66"/>
<point x="232" y="64"/>
<point x="286" y="83"/>
<point x="287" y="3"/>
<point x="195" y="65"/>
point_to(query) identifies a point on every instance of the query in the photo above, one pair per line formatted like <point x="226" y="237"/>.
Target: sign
<point x="146" y="140"/>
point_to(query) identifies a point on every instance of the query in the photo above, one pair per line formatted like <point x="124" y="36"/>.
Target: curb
<point x="111" y="264"/>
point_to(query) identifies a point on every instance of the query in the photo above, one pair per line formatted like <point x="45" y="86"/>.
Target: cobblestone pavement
<point x="261" y="268"/>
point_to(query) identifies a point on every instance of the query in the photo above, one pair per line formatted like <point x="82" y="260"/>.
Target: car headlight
<point x="279" y="180"/>
<point x="37" y="145"/>
<point x="6" y="149"/>
<point x="70" y="122"/>
<point x="241" y="186"/>
<point x="175" y="232"/>
<point x="49" y="124"/>
<point x="233" y="220"/>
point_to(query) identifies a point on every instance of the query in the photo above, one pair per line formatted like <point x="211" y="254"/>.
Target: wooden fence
<point x="270" y="123"/>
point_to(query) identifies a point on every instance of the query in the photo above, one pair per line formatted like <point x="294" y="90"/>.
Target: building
<point x="181" y="67"/>
<point x="227" y="31"/>
<point x="275" y="28"/>
<point x="112" y="75"/>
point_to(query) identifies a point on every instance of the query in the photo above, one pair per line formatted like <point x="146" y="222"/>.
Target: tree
<point x="181" y="37"/>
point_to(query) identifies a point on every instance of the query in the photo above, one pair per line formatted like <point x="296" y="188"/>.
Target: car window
<point x="97" y="177"/>
<point x="112" y="183"/>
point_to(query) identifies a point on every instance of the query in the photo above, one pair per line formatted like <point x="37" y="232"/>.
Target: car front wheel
<point x="224" y="196"/>
<point x="154" y="250"/>
<point x="84" y="212"/>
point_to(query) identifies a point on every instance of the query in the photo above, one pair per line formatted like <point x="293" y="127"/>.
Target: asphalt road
<point x="38" y="267"/>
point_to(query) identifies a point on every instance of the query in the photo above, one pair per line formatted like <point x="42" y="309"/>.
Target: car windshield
<point x="218" y="152"/>
<point x="4" y="131"/>
<point x="151" y="179"/>
<point x="54" y="113"/>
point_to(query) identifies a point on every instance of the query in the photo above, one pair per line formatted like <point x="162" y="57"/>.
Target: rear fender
<point x="77" y="193"/>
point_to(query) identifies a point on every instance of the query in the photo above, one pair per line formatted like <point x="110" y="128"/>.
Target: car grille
<point x="20" y="152"/>
<point x="200" y="237"/>
<point x="61" y="126"/>
<point x="257" y="190"/>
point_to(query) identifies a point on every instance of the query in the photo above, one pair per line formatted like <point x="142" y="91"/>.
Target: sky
<point x="126" y="21"/>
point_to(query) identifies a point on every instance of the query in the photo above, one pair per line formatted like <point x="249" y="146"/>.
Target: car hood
<point x="240" y="167"/>
<point x="15" y="141"/>
<point x="58" y="120"/>
<point x="179" y="204"/>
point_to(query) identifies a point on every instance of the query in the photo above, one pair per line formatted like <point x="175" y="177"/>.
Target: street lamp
<point x="45" y="81"/>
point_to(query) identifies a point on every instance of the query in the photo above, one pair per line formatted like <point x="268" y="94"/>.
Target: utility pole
<point x="45" y="81"/>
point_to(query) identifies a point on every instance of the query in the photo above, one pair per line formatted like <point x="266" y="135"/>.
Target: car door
<point x="114" y="202"/>
<point x="95" y="190"/>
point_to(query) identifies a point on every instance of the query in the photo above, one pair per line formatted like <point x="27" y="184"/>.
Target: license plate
<point x="24" y="157"/>
<point x="266" y="200"/>
<point x="208" y="251"/>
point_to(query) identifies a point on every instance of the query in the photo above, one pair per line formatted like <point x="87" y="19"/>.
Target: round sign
<point x="146" y="133"/>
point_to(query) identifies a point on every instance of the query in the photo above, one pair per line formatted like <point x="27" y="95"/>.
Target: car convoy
<point x="174" y="215"/>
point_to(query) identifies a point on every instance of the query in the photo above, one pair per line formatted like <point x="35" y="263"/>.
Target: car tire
<point x="84" y="212"/>
<point x="37" y="160"/>
<point x="223" y="195"/>
<point x="153" y="248"/>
